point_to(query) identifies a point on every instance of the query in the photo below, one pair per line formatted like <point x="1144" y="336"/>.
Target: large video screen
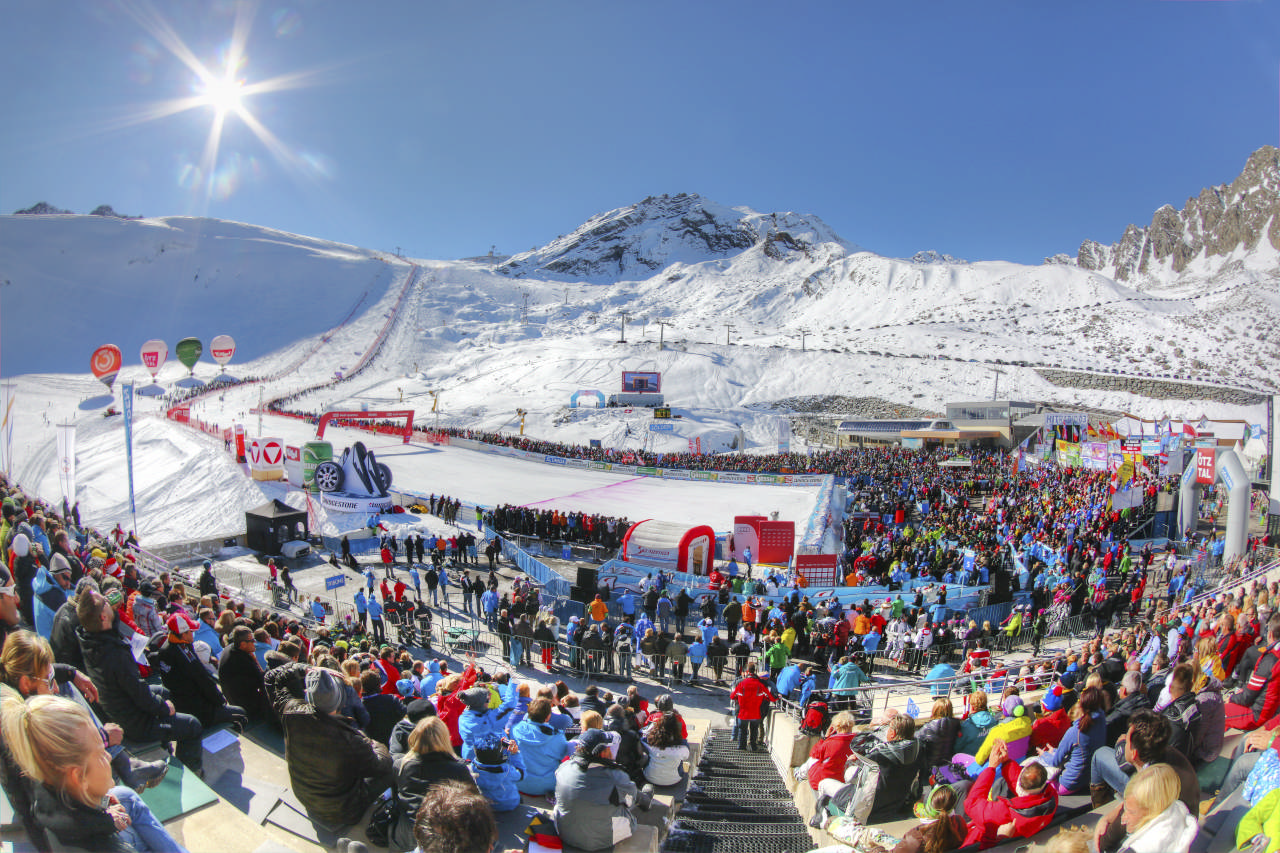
<point x="641" y="382"/>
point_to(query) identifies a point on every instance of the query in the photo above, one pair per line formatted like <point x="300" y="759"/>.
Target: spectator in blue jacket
<point x="543" y="748"/>
<point x="498" y="768"/>
<point x="1074" y="753"/>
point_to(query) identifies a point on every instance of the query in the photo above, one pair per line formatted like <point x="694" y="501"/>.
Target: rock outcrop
<point x="1215" y="223"/>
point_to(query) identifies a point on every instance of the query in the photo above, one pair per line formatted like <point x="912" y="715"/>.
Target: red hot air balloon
<point x="105" y="363"/>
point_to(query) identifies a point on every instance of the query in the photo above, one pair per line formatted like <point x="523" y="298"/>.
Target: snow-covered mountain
<point x="645" y="238"/>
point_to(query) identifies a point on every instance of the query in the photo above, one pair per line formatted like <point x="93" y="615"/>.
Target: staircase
<point x="737" y="803"/>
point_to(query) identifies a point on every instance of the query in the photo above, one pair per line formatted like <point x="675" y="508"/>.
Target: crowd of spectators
<point x="553" y="524"/>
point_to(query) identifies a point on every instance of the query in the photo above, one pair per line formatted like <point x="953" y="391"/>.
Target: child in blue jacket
<point x="497" y="768"/>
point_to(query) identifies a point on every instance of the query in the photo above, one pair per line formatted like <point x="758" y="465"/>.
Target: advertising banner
<point x="1068" y="454"/>
<point x="649" y="472"/>
<point x="1204" y="465"/>
<point x="126" y="391"/>
<point x="6" y="426"/>
<point x="1093" y="455"/>
<point x="819" y="568"/>
<point x="67" y="461"/>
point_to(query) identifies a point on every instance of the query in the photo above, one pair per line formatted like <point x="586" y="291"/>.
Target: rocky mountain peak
<point x="1214" y="223"/>
<point x="643" y="238"/>
<point x="40" y="208"/>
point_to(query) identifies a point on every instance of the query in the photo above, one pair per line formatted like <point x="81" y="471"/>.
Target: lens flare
<point x="226" y="91"/>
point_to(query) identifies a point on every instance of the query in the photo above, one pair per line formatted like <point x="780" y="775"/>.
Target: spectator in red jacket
<point x="1007" y="801"/>
<point x="1259" y="700"/>
<point x="749" y="695"/>
<point x="830" y="754"/>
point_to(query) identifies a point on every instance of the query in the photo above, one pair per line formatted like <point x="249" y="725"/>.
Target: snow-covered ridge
<point x="644" y="238"/>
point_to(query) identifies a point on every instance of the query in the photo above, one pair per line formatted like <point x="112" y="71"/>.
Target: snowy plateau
<point x="731" y="293"/>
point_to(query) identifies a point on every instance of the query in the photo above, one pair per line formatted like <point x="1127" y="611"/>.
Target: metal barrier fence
<point x="558" y="548"/>
<point x="551" y="581"/>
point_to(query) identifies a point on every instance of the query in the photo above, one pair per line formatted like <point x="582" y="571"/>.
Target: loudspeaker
<point x="588" y="578"/>
<point x="584" y="594"/>
<point x="1001" y="592"/>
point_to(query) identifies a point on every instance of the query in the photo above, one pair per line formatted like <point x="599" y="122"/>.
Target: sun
<point x="225" y="95"/>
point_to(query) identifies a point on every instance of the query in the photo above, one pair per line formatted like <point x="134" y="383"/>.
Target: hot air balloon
<point x="221" y="349"/>
<point x="154" y="354"/>
<point x="105" y="363"/>
<point x="189" y="351"/>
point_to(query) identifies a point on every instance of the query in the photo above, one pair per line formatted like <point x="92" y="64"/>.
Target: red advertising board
<point x="777" y="542"/>
<point x="818" y="569"/>
<point x="1204" y="464"/>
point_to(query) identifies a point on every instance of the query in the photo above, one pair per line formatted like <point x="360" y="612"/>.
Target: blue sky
<point x="984" y="130"/>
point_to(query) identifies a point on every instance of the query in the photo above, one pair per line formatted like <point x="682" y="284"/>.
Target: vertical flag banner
<point x="127" y="403"/>
<point x="6" y="427"/>
<point x="67" y="461"/>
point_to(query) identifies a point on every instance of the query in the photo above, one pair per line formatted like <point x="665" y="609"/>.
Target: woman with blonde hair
<point x="828" y="757"/>
<point x="1154" y="817"/>
<point x="55" y="742"/>
<point x="429" y="761"/>
<point x="1095" y="680"/>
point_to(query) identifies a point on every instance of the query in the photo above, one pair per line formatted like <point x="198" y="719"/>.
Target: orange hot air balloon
<point x="105" y="363"/>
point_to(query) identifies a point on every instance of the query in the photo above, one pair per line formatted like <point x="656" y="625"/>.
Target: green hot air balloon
<point x="189" y="351"/>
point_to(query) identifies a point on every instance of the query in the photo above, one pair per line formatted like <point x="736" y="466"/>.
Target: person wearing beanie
<point x="478" y="719"/>
<point x="335" y="770"/>
<point x="192" y="689"/>
<point x="498" y="767"/>
<point x="1014" y="731"/>
<point x="50" y="589"/>
<point x="416" y="711"/>
<point x="209" y="585"/>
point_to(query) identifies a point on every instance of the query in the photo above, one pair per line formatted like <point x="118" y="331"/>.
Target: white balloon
<point x="21" y="545"/>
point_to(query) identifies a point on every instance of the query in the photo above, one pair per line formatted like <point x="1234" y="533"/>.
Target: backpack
<point x="817" y="716"/>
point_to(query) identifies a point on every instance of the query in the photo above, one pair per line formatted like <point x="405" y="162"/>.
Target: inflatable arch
<point x="1230" y="472"/>
<point x="670" y="546"/>
<point x="573" y="399"/>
